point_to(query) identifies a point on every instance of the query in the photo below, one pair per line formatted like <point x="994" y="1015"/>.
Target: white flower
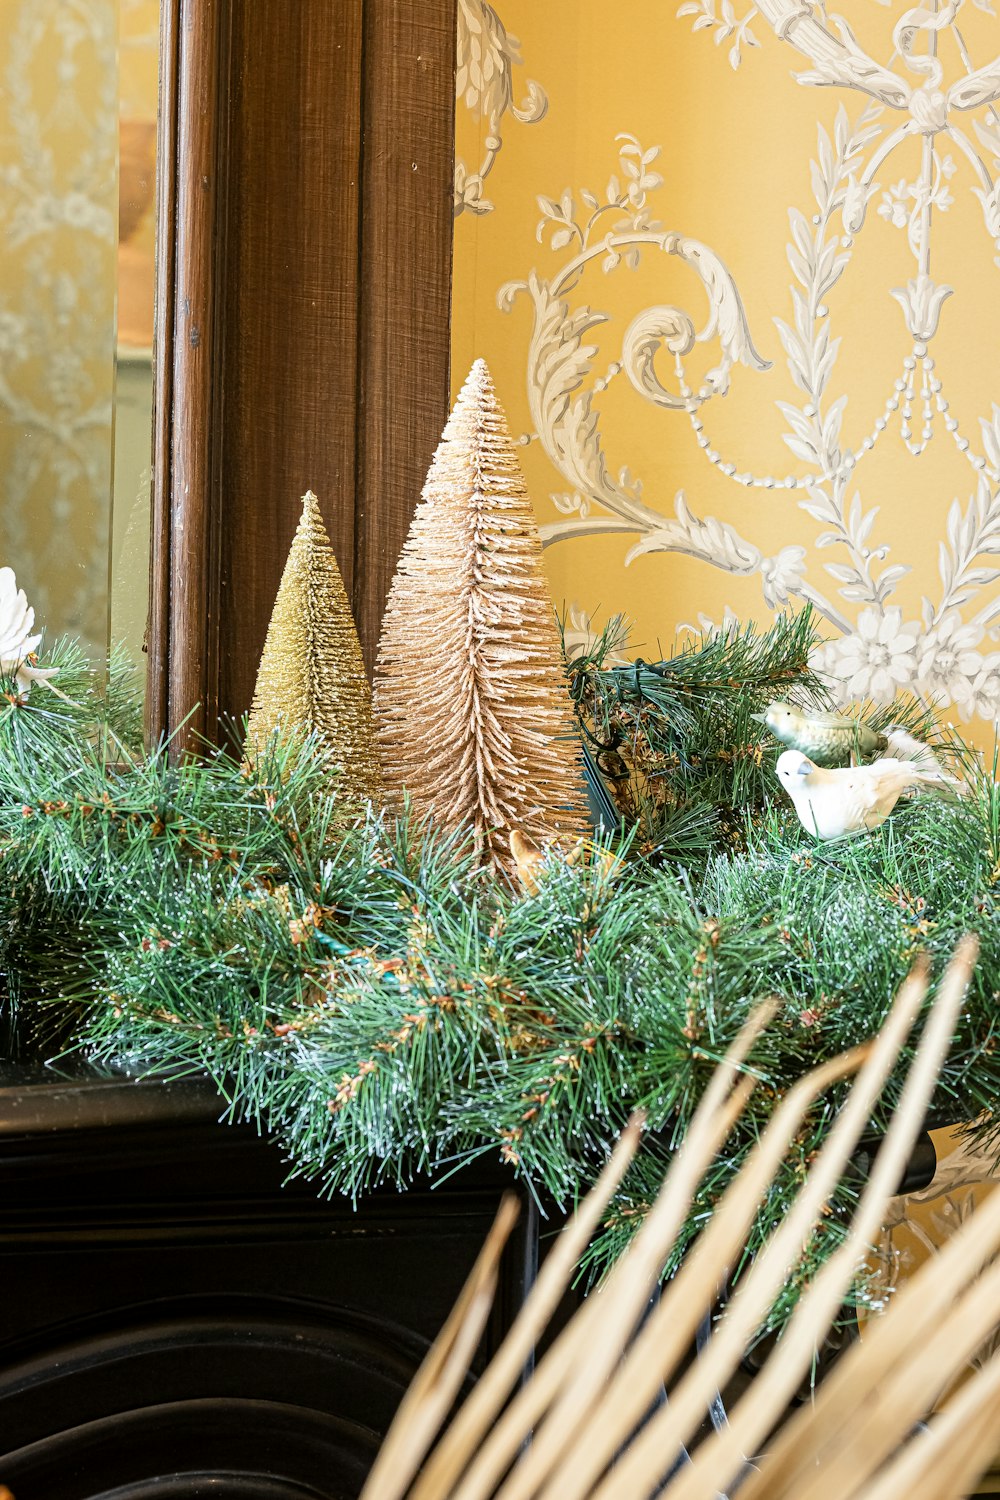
<point x="78" y="210"/>
<point x="948" y="662"/>
<point x="822" y="660"/>
<point x="895" y="205"/>
<point x="17" y="644"/>
<point x="781" y="576"/>
<point x="980" y="698"/>
<point x="878" y="659"/>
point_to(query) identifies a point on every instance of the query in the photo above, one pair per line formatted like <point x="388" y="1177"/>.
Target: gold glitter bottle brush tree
<point x="311" y="677"/>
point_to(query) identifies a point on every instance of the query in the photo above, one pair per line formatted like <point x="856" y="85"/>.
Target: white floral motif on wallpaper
<point x="58" y="230"/>
<point x="486" y="56"/>
<point x="944" y="655"/>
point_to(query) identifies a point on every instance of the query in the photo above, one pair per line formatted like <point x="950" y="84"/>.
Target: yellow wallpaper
<point x="630" y="176"/>
<point x="58" y="229"/>
<point x="59" y="235"/>
<point x="706" y="287"/>
<point x="138" y="57"/>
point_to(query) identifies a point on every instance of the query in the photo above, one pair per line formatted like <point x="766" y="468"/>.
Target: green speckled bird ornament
<point x="828" y="739"/>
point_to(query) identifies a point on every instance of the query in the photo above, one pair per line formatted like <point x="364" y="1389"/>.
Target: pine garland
<point x="680" y="743"/>
<point x="386" y="1006"/>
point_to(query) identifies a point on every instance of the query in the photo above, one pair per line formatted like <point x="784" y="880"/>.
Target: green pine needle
<point x="355" y="987"/>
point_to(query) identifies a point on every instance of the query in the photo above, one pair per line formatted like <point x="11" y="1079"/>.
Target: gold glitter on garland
<point x="312" y="675"/>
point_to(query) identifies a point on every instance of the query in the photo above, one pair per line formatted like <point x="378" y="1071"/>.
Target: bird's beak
<point x="759" y="719"/>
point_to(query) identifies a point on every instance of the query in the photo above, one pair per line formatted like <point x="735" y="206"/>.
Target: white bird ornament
<point x="17" y="644"/>
<point x="851" y="799"/>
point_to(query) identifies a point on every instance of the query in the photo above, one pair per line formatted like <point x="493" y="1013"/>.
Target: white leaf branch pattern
<point x="560" y="362"/>
<point x="725" y="25"/>
<point x="971" y="535"/>
<point x="560" y="365"/>
<point x="908" y="98"/>
<point x="818" y="258"/>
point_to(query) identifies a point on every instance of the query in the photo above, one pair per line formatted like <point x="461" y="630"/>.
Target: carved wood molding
<point x="303" y="296"/>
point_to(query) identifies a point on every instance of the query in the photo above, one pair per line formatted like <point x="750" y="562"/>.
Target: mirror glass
<point x="78" y="93"/>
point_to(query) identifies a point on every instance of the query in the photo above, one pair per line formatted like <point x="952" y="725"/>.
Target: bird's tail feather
<point x="920" y="759"/>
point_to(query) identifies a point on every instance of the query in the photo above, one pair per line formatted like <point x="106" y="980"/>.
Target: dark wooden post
<point x="305" y="224"/>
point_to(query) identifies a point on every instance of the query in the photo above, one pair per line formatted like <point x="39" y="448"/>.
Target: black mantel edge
<point x="36" y="1099"/>
<point x="73" y="1095"/>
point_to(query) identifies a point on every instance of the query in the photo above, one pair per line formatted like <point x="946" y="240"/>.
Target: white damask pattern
<point x="58" y="234"/>
<point x="948" y="105"/>
<point x="486" y="58"/>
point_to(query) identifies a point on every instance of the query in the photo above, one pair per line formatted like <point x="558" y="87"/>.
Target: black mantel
<point x="177" y="1321"/>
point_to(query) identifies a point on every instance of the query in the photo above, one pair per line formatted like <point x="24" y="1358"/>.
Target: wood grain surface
<point x="158" y="624"/>
<point x="406" y="240"/>
<point x="305" y="227"/>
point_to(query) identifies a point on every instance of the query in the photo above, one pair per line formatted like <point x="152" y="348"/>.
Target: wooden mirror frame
<point x="304" y="225"/>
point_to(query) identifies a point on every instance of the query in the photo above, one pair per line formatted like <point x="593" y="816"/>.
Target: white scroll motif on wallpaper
<point x="945" y="654"/>
<point x="485" y="60"/>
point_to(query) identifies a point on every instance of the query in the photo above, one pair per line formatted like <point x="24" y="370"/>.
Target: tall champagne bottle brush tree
<point x="472" y="710"/>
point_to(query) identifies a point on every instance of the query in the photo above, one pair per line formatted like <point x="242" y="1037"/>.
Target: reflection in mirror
<point x="77" y="147"/>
